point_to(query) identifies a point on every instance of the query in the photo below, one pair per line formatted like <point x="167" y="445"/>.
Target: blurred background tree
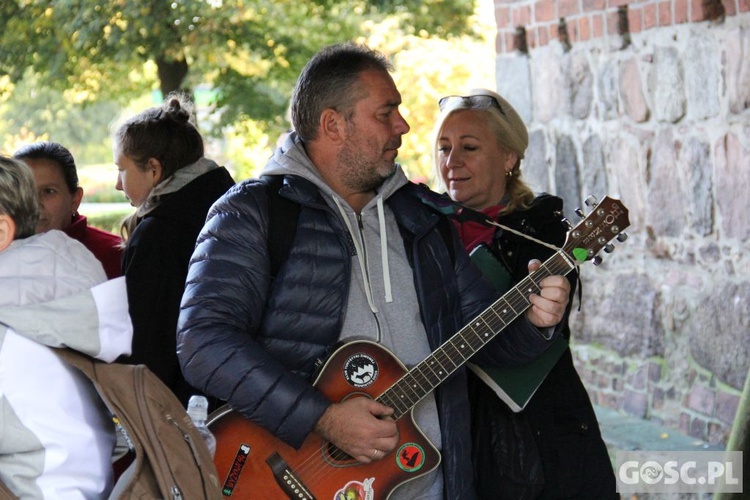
<point x="70" y="68"/>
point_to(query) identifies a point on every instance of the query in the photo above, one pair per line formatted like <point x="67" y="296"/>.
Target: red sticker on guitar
<point x="410" y="457"/>
<point x="235" y="471"/>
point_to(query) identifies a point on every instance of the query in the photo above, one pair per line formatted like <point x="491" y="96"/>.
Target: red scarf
<point x="473" y="233"/>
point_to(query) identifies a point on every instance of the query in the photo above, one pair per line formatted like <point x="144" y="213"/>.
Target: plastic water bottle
<point x="198" y="411"/>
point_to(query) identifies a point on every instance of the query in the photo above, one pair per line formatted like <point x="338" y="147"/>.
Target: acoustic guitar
<point x="253" y="464"/>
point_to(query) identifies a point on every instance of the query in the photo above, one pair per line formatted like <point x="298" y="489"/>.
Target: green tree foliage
<point x="42" y="113"/>
<point x="64" y="64"/>
<point x="249" y="51"/>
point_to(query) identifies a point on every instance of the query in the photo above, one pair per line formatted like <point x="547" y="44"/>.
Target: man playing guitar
<point x="368" y="260"/>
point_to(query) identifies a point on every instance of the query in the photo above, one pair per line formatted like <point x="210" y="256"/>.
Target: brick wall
<point x="702" y="407"/>
<point x="648" y="102"/>
<point x="540" y="21"/>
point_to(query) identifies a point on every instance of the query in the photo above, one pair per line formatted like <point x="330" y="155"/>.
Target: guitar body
<point x="252" y="463"/>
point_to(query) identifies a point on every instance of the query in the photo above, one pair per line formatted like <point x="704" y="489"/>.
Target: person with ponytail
<point x="162" y="170"/>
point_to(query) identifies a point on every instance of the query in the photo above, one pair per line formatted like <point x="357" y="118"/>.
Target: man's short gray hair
<point x="330" y="80"/>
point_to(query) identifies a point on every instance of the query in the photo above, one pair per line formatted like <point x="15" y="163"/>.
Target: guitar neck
<point x="433" y="370"/>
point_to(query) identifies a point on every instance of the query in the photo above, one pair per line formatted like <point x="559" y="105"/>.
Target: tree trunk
<point x="171" y="75"/>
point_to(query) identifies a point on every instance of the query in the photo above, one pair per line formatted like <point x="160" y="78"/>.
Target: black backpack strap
<point x="282" y="222"/>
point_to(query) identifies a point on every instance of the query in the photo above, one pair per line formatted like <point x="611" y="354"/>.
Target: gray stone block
<point x="581" y="83"/>
<point x="567" y="180"/>
<point x="514" y="83"/>
<point x="535" y="168"/>
<point x="738" y="69"/>
<point x="667" y="85"/>
<point x="666" y="197"/>
<point x="695" y="164"/>
<point x="593" y="170"/>
<point x="622" y="313"/>
<point x="719" y="332"/>
<point x="702" y="76"/>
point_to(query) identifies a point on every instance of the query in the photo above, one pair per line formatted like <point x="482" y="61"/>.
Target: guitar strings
<point x="458" y="343"/>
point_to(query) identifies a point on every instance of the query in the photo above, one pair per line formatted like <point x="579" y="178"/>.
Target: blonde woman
<point x="553" y="448"/>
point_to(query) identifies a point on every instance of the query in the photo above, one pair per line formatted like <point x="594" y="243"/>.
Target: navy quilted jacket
<point x="244" y="336"/>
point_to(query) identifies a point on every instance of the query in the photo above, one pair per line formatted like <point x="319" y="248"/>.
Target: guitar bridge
<point x="287" y="480"/>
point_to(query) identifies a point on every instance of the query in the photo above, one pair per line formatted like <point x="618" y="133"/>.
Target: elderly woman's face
<point x="471" y="163"/>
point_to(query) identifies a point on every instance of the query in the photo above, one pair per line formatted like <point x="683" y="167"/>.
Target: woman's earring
<point x="509" y="173"/>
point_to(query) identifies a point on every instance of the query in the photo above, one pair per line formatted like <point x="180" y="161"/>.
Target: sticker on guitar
<point x="354" y="490"/>
<point x="360" y="370"/>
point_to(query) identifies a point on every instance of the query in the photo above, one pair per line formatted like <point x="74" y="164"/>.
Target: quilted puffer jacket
<point x="56" y="435"/>
<point x="244" y="336"/>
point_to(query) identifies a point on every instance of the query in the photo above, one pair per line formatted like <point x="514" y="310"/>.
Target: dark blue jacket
<point x="244" y="336"/>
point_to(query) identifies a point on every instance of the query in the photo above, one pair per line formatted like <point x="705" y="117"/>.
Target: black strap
<point x="444" y="227"/>
<point x="282" y="222"/>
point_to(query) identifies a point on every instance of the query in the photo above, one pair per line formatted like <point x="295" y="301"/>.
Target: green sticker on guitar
<point x="580" y="254"/>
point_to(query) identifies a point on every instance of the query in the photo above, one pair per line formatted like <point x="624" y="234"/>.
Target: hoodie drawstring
<point x="384" y="252"/>
<point x="360" y="256"/>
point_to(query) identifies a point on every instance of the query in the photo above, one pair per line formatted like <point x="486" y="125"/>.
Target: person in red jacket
<point x="56" y="180"/>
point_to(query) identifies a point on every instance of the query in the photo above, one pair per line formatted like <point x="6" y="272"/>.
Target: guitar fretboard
<point x="433" y="370"/>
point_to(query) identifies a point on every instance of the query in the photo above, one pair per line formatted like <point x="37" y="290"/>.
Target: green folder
<point x="515" y="385"/>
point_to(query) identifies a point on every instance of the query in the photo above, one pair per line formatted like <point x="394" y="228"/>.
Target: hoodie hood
<point x="181" y="178"/>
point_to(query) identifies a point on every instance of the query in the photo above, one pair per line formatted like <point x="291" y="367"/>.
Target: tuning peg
<point x="622" y="237"/>
<point x="567" y="223"/>
<point x="609" y="248"/>
<point x="579" y="212"/>
<point x="596" y="260"/>
<point x="590" y="201"/>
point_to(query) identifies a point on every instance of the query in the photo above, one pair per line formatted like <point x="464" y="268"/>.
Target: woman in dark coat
<point x="552" y="448"/>
<point x="162" y="171"/>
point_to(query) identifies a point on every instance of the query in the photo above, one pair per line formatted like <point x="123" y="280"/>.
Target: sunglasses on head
<point x="481" y="101"/>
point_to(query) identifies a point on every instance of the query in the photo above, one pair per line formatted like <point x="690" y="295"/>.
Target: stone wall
<point x="647" y="102"/>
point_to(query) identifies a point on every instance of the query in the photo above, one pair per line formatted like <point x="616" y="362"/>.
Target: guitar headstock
<point x="607" y="220"/>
